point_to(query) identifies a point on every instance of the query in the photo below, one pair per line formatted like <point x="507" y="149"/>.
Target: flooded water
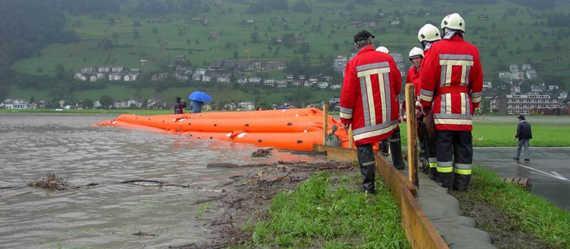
<point x="109" y="214"/>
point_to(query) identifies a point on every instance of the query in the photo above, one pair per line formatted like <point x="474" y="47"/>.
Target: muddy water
<point x="109" y="214"/>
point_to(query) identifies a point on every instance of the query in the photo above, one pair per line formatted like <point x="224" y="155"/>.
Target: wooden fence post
<point x="325" y="122"/>
<point x="412" y="134"/>
<point x="350" y="138"/>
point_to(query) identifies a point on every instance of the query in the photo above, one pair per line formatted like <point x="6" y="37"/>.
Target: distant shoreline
<point x="89" y="111"/>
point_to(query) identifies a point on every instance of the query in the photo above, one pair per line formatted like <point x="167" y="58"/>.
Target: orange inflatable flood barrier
<point x="292" y="129"/>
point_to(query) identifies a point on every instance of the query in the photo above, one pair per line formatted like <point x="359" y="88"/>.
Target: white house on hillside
<point x="130" y="77"/>
<point x="115" y="77"/>
<point x="80" y="76"/>
<point x="281" y="83"/>
<point x="323" y="85"/>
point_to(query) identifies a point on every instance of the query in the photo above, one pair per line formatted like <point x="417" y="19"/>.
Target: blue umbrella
<point x="200" y="96"/>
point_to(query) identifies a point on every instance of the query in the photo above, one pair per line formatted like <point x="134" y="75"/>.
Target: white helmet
<point x="383" y="49"/>
<point x="454" y="22"/>
<point x="429" y="33"/>
<point x="416" y="52"/>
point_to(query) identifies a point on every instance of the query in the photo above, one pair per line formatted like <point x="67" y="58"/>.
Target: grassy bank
<point x="528" y="213"/>
<point x="330" y="212"/>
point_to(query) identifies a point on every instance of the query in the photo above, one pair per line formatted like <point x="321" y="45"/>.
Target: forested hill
<point x="46" y="41"/>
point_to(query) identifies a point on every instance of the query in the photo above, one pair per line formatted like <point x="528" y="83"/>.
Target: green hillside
<point x="314" y="31"/>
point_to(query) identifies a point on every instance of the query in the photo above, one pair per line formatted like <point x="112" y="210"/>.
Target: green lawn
<point x="330" y="212"/>
<point x="501" y="134"/>
<point x="531" y="213"/>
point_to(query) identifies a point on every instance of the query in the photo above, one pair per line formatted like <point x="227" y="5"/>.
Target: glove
<point x="346" y="123"/>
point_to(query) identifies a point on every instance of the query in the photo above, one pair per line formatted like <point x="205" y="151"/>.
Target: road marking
<point x="555" y="175"/>
<point x="559" y="175"/>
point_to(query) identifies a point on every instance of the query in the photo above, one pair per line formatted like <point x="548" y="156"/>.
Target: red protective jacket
<point x="369" y="96"/>
<point x="413" y="77"/>
<point x="452" y="81"/>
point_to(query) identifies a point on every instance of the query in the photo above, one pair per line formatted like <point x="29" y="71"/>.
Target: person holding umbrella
<point x="198" y="99"/>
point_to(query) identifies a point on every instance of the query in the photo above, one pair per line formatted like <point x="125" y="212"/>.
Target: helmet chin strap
<point x="426" y="45"/>
<point x="448" y="33"/>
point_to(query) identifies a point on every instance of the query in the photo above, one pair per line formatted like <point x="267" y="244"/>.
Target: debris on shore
<point x="50" y="182"/>
<point x="262" y="153"/>
<point x="522" y="182"/>
<point x="143" y="234"/>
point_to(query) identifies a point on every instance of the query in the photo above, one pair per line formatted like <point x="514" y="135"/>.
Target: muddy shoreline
<point x="246" y="197"/>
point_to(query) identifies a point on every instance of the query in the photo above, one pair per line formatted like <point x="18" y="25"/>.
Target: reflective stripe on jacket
<point x="369" y="96"/>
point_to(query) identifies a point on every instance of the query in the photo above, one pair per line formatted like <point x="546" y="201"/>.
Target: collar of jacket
<point x="366" y="49"/>
<point x="455" y="37"/>
<point x="416" y="68"/>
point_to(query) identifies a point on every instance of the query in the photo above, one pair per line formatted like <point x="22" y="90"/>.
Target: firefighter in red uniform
<point x="416" y="57"/>
<point x="428" y="35"/>
<point x="452" y="78"/>
<point x="369" y="102"/>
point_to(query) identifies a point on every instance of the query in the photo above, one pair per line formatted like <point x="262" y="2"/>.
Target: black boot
<point x="367" y="167"/>
<point x="432" y="171"/>
<point x="461" y="182"/>
<point x="424" y="165"/>
<point x="433" y="174"/>
<point x="446" y="180"/>
<point x="396" y="150"/>
<point x="368" y="184"/>
<point x="384" y="147"/>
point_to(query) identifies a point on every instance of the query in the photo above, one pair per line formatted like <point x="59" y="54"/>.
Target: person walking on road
<point x="452" y="78"/>
<point x="369" y="102"/>
<point x="524" y="135"/>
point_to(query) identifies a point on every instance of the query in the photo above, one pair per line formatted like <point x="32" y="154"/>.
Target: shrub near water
<point x="331" y="213"/>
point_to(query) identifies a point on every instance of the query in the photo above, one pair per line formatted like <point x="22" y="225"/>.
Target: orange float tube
<point x="295" y="129"/>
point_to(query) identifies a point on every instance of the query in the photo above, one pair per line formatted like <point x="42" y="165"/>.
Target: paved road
<point x="549" y="170"/>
